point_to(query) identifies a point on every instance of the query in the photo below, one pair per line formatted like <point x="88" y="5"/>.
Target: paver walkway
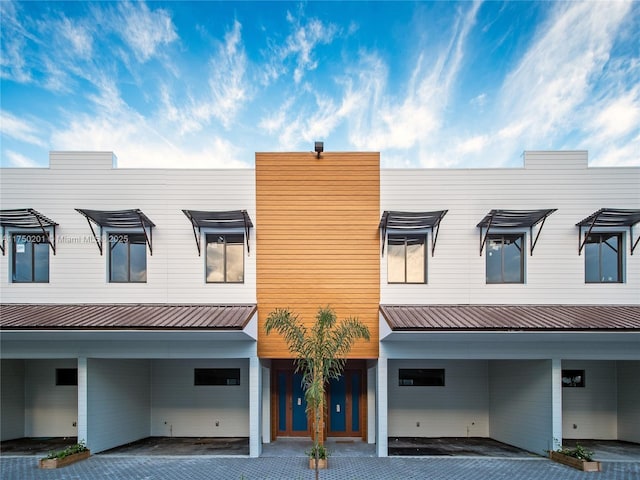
<point x="341" y="468"/>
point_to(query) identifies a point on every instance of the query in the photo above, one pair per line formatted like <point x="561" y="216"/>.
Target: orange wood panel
<point x="317" y="240"/>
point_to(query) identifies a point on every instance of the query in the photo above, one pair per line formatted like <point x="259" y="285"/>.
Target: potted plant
<point x="576" y="457"/>
<point x="67" y="456"/>
<point x="320" y="452"/>
<point x="320" y="355"/>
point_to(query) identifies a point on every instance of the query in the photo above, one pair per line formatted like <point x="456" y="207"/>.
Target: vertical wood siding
<point x="317" y="240"/>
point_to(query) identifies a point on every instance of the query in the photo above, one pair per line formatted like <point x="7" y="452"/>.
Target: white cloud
<point x="227" y="81"/>
<point x="20" y="129"/>
<point x="144" y="30"/>
<point x="78" y="36"/>
<point x="17" y="160"/>
<point x="474" y="144"/>
<point x="619" y="117"/>
<point x="555" y="76"/>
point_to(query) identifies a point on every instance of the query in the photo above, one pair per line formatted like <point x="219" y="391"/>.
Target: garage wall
<point x="11" y="399"/>
<point x="118" y="402"/>
<point x="629" y="401"/>
<point x="591" y="412"/>
<point x="49" y="410"/>
<point x="459" y="409"/>
<point x="520" y="403"/>
<point x="192" y="411"/>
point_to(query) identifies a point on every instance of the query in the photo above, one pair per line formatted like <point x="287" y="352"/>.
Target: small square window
<point x="603" y="258"/>
<point x="225" y="258"/>
<point x="573" y="378"/>
<point x="66" y="376"/>
<point x="216" y="376"/>
<point x="127" y="258"/>
<point x="421" y="377"/>
<point x="505" y="259"/>
<point x="30" y="252"/>
<point x="406" y="259"/>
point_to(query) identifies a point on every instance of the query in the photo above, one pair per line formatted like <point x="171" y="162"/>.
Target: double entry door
<point x="344" y="405"/>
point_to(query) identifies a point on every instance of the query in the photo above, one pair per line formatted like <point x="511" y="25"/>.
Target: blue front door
<point x="291" y="404"/>
<point x="344" y="404"/>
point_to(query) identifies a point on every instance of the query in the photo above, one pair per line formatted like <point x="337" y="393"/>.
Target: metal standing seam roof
<point x="119" y="316"/>
<point x="511" y="317"/>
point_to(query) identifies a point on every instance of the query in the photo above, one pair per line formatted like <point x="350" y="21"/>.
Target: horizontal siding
<point x="317" y="240"/>
<point x="175" y="272"/>
<point x="555" y="271"/>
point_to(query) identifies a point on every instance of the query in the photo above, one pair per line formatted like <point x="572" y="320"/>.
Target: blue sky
<point x="427" y="84"/>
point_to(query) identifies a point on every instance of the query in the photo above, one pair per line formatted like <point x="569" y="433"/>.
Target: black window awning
<point x="227" y="220"/>
<point x="411" y="222"/>
<point x="28" y="218"/>
<point x="514" y="219"/>
<point x="127" y="219"/>
<point x="606" y="218"/>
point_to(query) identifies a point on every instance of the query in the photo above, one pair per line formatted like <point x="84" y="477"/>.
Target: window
<point x="216" y="376"/>
<point x="505" y="258"/>
<point x="128" y="258"/>
<point x="421" y="377"/>
<point x="573" y="378"/>
<point x="603" y="258"/>
<point x="66" y="376"/>
<point x="30" y="258"/>
<point x="225" y="258"/>
<point x="406" y="259"/>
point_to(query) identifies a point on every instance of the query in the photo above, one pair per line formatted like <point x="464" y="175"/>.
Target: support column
<point x="255" y="389"/>
<point x="382" y="406"/>
<point x="556" y="404"/>
<point x="83" y="402"/>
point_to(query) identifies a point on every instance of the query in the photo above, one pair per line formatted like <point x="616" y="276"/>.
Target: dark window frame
<point x="407" y="237"/>
<point x="31" y="239"/>
<point x="66" y="377"/>
<point x="601" y="244"/>
<point x="421" y="377"/>
<point x="492" y="237"/>
<point x="125" y="238"/>
<point x="571" y="374"/>
<point x="216" y="377"/>
<point x="224" y="235"/>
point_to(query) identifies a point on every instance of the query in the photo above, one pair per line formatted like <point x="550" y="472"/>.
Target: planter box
<point x="576" y="462"/>
<point x="63" y="462"/>
<point x="322" y="463"/>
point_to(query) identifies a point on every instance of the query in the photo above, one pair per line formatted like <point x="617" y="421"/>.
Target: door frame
<point x="288" y="365"/>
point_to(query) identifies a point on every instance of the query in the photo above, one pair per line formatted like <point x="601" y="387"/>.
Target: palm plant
<point x="320" y="355"/>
